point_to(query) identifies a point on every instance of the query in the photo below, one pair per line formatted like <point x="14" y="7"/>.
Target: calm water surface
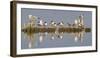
<point x="53" y="40"/>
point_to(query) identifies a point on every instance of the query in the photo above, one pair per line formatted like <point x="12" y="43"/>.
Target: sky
<point x="47" y="15"/>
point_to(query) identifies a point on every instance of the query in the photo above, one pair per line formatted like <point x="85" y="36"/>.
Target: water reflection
<point x="41" y="36"/>
<point x="78" y="36"/>
<point x="30" y="38"/>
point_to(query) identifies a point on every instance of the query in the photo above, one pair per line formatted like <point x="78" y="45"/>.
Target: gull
<point x="53" y="24"/>
<point x="40" y="23"/>
<point x="45" y="24"/>
<point x="69" y="25"/>
<point x="61" y="24"/>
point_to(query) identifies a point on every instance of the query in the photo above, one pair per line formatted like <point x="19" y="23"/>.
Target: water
<point x="54" y="40"/>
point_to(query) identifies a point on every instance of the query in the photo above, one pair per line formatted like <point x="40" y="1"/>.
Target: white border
<point x="50" y="50"/>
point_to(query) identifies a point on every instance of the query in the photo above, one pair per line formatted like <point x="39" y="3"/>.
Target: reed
<point x="49" y="30"/>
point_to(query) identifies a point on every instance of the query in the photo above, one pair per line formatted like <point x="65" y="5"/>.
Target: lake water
<point x="53" y="40"/>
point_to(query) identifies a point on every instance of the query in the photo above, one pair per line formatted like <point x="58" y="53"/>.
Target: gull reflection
<point x="41" y="36"/>
<point x="78" y="36"/>
<point x="30" y="44"/>
<point x="60" y="35"/>
<point x="30" y="38"/>
<point x="52" y="36"/>
<point x="56" y="34"/>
